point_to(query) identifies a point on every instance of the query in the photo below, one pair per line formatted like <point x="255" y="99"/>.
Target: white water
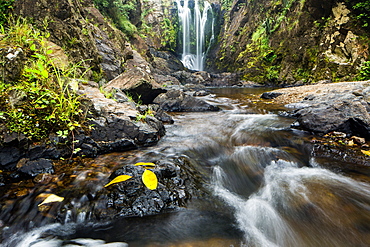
<point x="193" y="26"/>
<point x="269" y="217"/>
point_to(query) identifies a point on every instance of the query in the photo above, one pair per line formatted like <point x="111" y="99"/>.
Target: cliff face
<point x="91" y="40"/>
<point x="288" y="41"/>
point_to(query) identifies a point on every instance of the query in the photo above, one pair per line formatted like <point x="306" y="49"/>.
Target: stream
<point x="267" y="188"/>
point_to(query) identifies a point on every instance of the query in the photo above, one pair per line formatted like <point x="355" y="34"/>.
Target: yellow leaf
<point x="350" y="143"/>
<point x="118" y="179"/>
<point x="52" y="198"/>
<point x="150" y="179"/>
<point x="145" y="164"/>
<point x="366" y="152"/>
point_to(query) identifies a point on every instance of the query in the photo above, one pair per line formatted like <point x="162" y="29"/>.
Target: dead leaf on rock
<point x="150" y="179"/>
<point x="118" y="179"/>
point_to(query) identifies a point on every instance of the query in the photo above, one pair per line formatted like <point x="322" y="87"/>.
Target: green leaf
<point x="44" y="73"/>
<point x="33" y="47"/>
<point x="118" y="179"/>
<point x="149" y="179"/>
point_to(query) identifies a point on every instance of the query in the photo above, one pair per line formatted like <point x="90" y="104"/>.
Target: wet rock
<point x="186" y="77"/>
<point x="270" y="95"/>
<point x="34" y="167"/>
<point x="161" y="115"/>
<point x="115" y="124"/>
<point x="200" y="93"/>
<point x="2" y="183"/>
<point x="178" y="101"/>
<point x="9" y="156"/>
<point x="335" y="112"/>
<point x="133" y="198"/>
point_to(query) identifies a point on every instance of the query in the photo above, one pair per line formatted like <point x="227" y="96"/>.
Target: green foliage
<point x="142" y="117"/>
<point x="226" y="4"/>
<point x="5" y="7"/>
<point x="41" y="101"/>
<point x="361" y="9"/>
<point x="364" y="73"/>
<point x="119" y="12"/>
<point x="169" y="34"/>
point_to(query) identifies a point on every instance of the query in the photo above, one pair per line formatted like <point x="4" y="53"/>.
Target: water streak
<point x="193" y="24"/>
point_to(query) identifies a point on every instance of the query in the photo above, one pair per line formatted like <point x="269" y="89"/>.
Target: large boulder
<point x="137" y="79"/>
<point x="178" y="101"/>
<point x="346" y="112"/>
<point x="116" y="127"/>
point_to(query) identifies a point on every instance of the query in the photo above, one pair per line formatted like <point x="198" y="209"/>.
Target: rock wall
<point x="273" y="41"/>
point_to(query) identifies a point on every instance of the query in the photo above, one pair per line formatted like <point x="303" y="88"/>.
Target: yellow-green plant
<point x="45" y="103"/>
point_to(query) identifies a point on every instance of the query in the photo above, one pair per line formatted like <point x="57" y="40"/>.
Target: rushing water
<point x="268" y="188"/>
<point x="194" y="30"/>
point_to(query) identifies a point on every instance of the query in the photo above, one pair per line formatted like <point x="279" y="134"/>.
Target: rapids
<point x="267" y="188"/>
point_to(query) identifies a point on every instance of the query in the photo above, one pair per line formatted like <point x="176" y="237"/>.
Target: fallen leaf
<point x="118" y="179"/>
<point x="365" y="152"/>
<point x="52" y="198"/>
<point x="145" y="164"/>
<point x="149" y="179"/>
<point x="350" y="143"/>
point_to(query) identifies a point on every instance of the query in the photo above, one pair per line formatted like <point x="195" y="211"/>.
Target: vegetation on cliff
<point x="287" y="41"/>
<point x="39" y="100"/>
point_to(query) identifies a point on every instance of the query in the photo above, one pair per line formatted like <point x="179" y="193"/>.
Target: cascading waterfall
<point x="194" y="32"/>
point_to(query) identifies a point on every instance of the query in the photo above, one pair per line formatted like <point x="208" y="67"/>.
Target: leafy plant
<point x="5" y="7"/>
<point x="47" y="103"/>
<point x="142" y="117"/>
<point x="364" y="73"/>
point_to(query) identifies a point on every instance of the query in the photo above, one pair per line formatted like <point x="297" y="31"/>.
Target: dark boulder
<point x="329" y="112"/>
<point x="176" y="186"/>
<point x="34" y="167"/>
<point x="137" y="79"/>
<point x="178" y="101"/>
<point x="270" y="95"/>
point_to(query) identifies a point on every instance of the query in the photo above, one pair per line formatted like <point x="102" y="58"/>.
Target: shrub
<point x="45" y="102"/>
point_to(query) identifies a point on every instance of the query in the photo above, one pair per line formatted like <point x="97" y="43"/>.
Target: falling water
<point x="194" y="23"/>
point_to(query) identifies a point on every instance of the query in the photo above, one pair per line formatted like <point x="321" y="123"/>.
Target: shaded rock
<point x="9" y="156"/>
<point x="188" y="78"/>
<point x="178" y="101"/>
<point x="11" y="64"/>
<point x="161" y="115"/>
<point x="81" y="29"/>
<point x="137" y="80"/>
<point x="34" y="167"/>
<point x="165" y="62"/>
<point x="166" y="80"/>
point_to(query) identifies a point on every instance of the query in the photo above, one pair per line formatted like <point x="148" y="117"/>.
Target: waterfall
<point x="194" y="32"/>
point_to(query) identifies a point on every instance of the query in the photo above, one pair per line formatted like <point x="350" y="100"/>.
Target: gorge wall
<point x="290" y="41"/>
<point x="266" y="41"/>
